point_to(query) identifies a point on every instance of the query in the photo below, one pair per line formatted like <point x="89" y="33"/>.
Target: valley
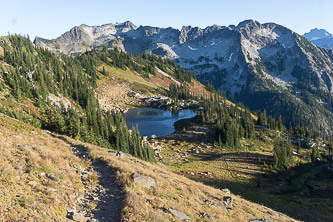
<point x="247" y="171"/>
<point x="251" y="141"/>
<point x="250" y="62"/>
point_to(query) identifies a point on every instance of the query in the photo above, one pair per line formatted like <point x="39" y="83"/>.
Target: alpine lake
<point x="153" y="121"/>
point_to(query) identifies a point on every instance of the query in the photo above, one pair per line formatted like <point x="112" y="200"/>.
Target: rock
<point x="144" y="181"/>
<point x="51" y="176"/>
<point x="51" y="190"/>
<point x="259" y="220"/>
<point x="227" y="200"/>
<point x="226" y="190"/>
<point x="222" y="206"/>
<point x="179" y="214"/>
<point x="205" y="215"/>
<point x="273" y="213"/>
<point x="120" y="154"/>
<point x="60" y="102"/>
<point x="76" y="216"/>
<point x="208" y="202"/>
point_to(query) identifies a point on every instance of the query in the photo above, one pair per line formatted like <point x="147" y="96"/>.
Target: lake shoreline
<point x="155" y="121"/>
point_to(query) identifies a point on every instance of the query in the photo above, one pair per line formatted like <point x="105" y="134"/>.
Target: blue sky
<point x="49" y="19"/>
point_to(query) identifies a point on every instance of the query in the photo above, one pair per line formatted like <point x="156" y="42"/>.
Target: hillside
<point x="302" y="191"/>
<point x="77" y="101"/>
<point x="82" y="96"/>
<point x="250" y="62"/>
<point x="46" y="176"/>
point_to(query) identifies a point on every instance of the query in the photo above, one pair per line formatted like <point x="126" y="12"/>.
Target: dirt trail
<point x="106" y="194"/>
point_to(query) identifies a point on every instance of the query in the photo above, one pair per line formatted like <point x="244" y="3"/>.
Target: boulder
<point x="227" y="200"/>
<point x="221" y="206"/>
<point x="226" y="190"/>
<point x="180" y="215"/>
<point x="76" y="216"/>
<point x="144" y="181"/>
<point x="120" y="154"/>
<point x="51" y="176"/>
<point x="117" y="153"/>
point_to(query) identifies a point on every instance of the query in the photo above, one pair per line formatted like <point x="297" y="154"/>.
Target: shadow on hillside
<point x="110" y="203"/>
<point x="241" y="157"/>
<point x="296" y="200"/>
<point x="191" y="130"/>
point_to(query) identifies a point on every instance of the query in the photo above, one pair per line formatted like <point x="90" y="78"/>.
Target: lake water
<point x="155" y="121"/>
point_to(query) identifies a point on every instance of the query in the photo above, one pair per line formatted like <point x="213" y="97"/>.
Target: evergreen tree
<point x="282" y="155"/>
<point x="315" y="155"/>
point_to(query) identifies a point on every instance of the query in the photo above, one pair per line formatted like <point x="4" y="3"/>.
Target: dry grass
<point x="128" y="75"/>
<point x="27" y="194"/>
<point x="198" y="89"/>
<point x="177" y="192"/>
<point x="29" y="160"/>
<point x="113" y="94"/>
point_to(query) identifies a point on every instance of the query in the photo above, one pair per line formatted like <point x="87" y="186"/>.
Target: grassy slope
<point x="113" y="88"/>
<point x="28" y="194"/>
<point x="28" y="157"/>
<point x="187" y="153"/>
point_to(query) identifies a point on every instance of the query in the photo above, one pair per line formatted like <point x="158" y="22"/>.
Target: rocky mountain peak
<point x="316" y="34"/>
<point x="320" y="37"/>
<point x="126" y="26"/>
<point x="189" y="33"/>
<point x="248" y="24"/>
<point x="212" y="28"/>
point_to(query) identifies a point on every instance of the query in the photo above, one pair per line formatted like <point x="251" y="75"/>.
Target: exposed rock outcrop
<point x="251" y="62"/>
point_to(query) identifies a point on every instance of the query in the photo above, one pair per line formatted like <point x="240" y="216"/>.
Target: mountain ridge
<point x="171" y="194"/>
<point x="247" y="62"/>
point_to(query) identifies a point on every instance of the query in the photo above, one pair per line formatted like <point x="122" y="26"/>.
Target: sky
<point x="49" y="19"/>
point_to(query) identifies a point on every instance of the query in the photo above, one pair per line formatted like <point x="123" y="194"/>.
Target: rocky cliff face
<point x="261" y="65"/>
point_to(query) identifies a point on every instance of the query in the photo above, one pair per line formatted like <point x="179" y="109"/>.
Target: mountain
<point x="51" y="169"/>
<point x="316" y="34"/>
<point x="48" y="176"/>
<point x="320" y="37"/>
<point x="264" y="66"/>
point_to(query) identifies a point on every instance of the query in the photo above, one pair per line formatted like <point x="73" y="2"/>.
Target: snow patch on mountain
<point x="191" y="48"/>
<point x="168" y="76"/>
<point x="230" y="57"/>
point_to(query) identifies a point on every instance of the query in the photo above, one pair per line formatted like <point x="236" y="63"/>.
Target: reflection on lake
<point x="155" y="121"/>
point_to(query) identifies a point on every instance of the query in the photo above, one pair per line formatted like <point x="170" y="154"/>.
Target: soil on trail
<point x="105" y="193"/>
